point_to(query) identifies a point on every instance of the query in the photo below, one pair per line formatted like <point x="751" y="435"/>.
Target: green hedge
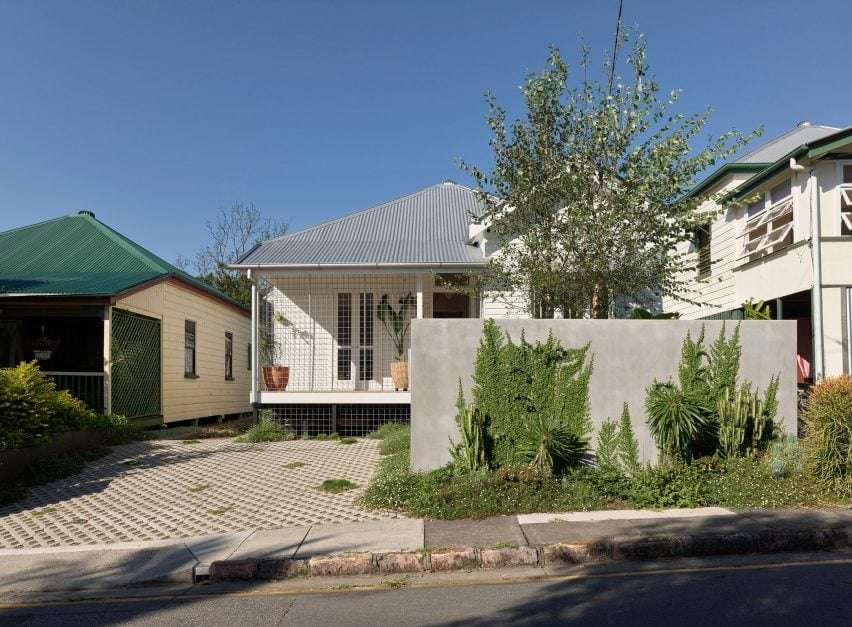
<point x="32" y="410"/>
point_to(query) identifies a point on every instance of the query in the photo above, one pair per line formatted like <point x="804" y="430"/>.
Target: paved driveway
<point x="169" y="489"/>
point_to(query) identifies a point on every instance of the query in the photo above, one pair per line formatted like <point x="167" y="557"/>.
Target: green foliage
<point x="397" y="321"/>
<point x="550" y="445"/>
<point x="395" y="437"/>
<point x="785" y="457"/>
<point x="709" y="411"/>
<point x="588" y="156"/>
<point x="335" y="486"/>
<point x="743" y="423"/>
<point x="677" y="419"/>
<point x="32" y="410"/>
<point x="756" y="310"/>
<point x="828" y="432"/>
<point x="606" y="453"/>
<point x="643" y="314"/>
<point x="523" y="388"/>
<point x="265" y="431"/>
<point x="628" y="445"/>
<point x="470" y="454"/>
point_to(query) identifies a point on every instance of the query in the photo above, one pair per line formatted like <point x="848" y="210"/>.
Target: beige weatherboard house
<point x="787" y="241"/>
<point x="325" y="300"/>
<point x="119" y="327"/>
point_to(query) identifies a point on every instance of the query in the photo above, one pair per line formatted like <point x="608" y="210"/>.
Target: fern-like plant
<point x="628" y="445"/>
<point x="606" y="453"/>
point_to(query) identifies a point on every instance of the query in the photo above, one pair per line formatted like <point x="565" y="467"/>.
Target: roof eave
<point x="728" y="168"/>
<point x="359" y="266"/>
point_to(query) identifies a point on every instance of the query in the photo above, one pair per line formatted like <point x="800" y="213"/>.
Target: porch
<point x="333" y="331"/>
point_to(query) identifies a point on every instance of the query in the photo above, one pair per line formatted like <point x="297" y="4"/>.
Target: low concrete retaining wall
<point x="628" y="354"/>
<point x="15" y="462"/>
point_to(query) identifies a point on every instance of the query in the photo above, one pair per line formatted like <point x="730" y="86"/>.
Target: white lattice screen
<point x="328" y="329"/>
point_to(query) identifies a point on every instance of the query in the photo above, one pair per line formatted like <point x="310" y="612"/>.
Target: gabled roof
<point x="774" y="149"/>
<point x="77" y="255"/>
<point x="426" y="228"/>
<point x="766" y="156"/>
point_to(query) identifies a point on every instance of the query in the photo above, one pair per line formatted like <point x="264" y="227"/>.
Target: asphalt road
<point x="780" y="593"/>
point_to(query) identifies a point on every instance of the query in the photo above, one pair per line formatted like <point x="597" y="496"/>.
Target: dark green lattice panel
<point x="135" y="365"/>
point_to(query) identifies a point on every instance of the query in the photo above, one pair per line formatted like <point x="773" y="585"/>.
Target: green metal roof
<point x="77" y="255"/>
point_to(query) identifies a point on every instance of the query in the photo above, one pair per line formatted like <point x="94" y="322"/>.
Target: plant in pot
<point x="397" y="322"/>
<point x="275" y="376"/>
<point x="43" y="348"/>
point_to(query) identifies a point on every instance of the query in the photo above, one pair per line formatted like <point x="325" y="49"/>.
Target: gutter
<point x="355" y="266"/>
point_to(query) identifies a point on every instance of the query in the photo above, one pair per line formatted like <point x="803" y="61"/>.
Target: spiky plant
<point x="743" y="424"/>
<point x="828" y="432"/>
<point x="550" y="445"/>
<point x="677" y="419"/>
<point x="628" y="445"/>
<point x="606" y="453"/>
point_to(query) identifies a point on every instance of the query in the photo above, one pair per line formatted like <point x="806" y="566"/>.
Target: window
<point x="769" y="225"/>
<point x="189" y="349"/>
<point x="365" y="336"/>
<point x="780" y="192"/>
<point x="702" y="244"/>
<point x="229" y="356"/>
<point x="344" y="336"/>
<point x="846" y="201"/>
<point x="248" y="357"/>
<point x="756" y="207"/>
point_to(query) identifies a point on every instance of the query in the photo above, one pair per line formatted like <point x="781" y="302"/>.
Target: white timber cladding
<point x="327" y="329"/>
<point x="716" y="291"/>
<point x="505" y="304"/>
<point x="209" y="394"/>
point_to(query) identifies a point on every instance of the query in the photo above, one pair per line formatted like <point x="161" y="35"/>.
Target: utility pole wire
<point x="615" y="47"/>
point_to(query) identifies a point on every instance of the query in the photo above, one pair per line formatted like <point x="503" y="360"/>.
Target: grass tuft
<point x="335" y="486"/>
<point x="348" y="440"/>
<point x="293" y="465"/>
<point x="265" y="431"/>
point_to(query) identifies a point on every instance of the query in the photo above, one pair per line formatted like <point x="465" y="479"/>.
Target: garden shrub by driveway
<point x="828" y="429"/>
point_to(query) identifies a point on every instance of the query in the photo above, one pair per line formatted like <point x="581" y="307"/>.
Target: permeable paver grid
<point x="169" y="489"/>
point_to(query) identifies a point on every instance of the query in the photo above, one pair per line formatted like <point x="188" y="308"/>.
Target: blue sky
<point x="155" y="114"/>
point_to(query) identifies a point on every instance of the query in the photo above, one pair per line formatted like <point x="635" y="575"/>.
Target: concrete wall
<point x="628" y="355"/>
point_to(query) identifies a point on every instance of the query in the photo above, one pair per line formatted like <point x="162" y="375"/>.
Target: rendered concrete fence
<point x="628" y="356"/>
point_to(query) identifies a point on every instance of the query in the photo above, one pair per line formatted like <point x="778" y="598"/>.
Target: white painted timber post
<point x="107" y="389"/>
<point x="418" y="286"/>
<point x="255" y="298"/>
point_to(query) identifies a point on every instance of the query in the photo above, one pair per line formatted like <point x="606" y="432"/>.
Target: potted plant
<point x="44" y="347"/>
<point x="397" y="323"/>
<point x="275" y="377"/>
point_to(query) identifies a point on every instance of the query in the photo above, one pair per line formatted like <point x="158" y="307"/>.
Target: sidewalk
<point x="410" y="545"/>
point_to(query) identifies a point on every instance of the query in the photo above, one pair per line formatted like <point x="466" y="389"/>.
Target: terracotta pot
<point x="275" y="378"/>
<point x="399" y="374"/>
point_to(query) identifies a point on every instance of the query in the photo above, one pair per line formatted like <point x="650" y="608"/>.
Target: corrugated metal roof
<point x="427" y="227"/>
<point x="777" y="147"/>
<point x="77" y="255"/>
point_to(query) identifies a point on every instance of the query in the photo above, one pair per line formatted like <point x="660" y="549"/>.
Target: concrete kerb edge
<point x="598" y="551"/>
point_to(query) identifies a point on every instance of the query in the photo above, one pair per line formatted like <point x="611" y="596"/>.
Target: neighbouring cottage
<point x="787" y="240"/>
<point x="120" y="328"/>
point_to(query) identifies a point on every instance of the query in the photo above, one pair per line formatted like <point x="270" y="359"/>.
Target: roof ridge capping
<point x="360" y="211"/>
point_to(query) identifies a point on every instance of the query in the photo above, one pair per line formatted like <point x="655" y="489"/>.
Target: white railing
<point x="754" y="243"/>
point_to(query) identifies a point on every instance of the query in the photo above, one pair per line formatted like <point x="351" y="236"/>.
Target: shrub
<point x="550" y="445"/>
<point x="32" y="410"/>
<point x="606" y="454"/>
<point x="265" y="431"/>
<point x="784" y="457"/>
<point x="628" y="445"/>
<point x="677" y="419"/>
<point x="828" y="432"/>
<point x="521" y="387"/>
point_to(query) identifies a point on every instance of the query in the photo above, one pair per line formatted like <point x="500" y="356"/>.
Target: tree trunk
<point x="600" y="302"/>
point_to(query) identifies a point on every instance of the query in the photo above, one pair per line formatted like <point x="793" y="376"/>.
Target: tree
<point x="233" y="233"/>
<point x="588" y="195"/>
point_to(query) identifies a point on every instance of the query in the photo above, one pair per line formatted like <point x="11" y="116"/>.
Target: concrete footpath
<point x="415" y="545"/>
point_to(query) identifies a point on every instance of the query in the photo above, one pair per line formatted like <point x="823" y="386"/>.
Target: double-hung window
<point x="189" y="349"/>
<point x="702" y="246"/>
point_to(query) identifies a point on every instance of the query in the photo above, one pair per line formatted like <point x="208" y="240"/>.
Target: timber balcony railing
<point x="87" y="386"/>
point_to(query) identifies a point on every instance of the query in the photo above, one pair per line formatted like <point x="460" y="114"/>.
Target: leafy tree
<point x="588" y="196"/>
<point x="230" y="236"/>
